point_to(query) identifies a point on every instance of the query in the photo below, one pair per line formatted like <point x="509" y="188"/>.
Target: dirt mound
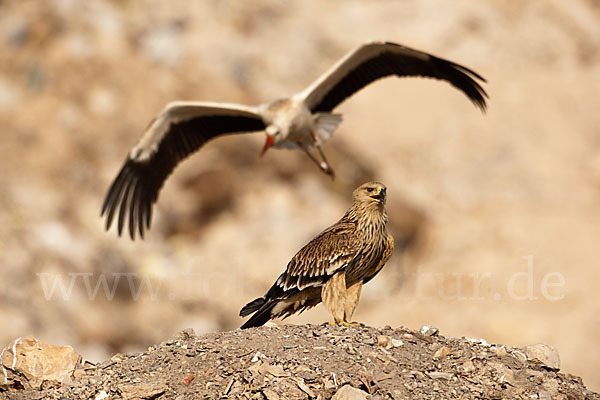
<point x="308" y="361"/>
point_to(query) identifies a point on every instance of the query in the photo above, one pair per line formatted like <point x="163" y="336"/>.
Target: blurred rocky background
<point x="496" y="216"/>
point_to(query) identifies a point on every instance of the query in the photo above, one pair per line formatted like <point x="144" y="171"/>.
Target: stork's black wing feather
<point x="379" y="60"/>
<point x="136" y="187"/>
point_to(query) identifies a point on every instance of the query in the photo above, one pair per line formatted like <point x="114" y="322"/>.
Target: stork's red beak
<point x="268" y="144"/>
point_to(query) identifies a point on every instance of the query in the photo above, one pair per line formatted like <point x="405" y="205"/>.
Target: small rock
<point x="307" y="376"/>
<point x="468" y="367"/>
<point x="440" y="375"/>
<point x="350" y="393"/>
<point x="544" y="354"/>
<point x="417" y="374"/>
<point x="275" y="370"/>
<point x="257" y="356"/>
<point x="255" y="368"/>
<point x="508" y="376"/>
<point x="270" y="394"/>
<point x="146" y="390"/>
<point x="442" y="352"/>
<point x="480" y="341"/>
<point x="500" y="351"/>
<point x="429" y="330"/>
<point x="78" y="373"/>
<point x="101" y="395"/>
<point x="328" y="384"/>
<point x="31" y="362"/>
<point x="185" y="334"/>
<point x="397" y="342"/>
<point x="305" y="388"/>
<point x="189" y="378"/>
<point x="535" y="374"/>
<point x="384" y="341"/>
<point x="518" y="355"/>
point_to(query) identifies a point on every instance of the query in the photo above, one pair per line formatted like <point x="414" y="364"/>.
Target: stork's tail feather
<point x="327" y="123"/>
<point x="261" y="316"/>
<point x="252" y="306"/>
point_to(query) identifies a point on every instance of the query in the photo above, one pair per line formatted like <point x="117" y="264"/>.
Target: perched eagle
<point x="302" y="121"/>
<point x="333" y="266"/>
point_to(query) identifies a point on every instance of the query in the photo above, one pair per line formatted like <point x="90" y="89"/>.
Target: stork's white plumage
<point x="302" y="121"/>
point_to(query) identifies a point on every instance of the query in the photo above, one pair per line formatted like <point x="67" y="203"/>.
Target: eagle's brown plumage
<point x="334" y="265"/>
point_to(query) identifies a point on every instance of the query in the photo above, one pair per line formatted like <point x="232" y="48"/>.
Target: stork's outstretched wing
<point x="377" y="60"/>
<point x="178" y="131"/>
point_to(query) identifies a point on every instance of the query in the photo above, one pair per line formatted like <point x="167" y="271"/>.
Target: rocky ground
<point x="317" y="362"/>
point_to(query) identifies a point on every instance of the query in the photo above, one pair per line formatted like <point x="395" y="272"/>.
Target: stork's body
<point x="291" y="125"/>
<point x="303" y="121"/>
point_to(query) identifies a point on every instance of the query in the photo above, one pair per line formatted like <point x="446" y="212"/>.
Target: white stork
<point x="302" y="121"/>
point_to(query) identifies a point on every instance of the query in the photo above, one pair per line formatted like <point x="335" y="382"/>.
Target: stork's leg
<point x="323" y="165"/>
<point x="333" y="295"/>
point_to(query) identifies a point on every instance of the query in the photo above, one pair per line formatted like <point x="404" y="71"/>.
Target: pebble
<point x="544" y="354"/>
<point x="442" y="352"/>
<point x="440" y="375"/>
<point x="257" y="356"/>
<point x="270" y="394"/>
<point x="368" y="341"/>
<point x="543" y="395"/>
<point x="384" y="341"/>
<point x="101" y="395"/>
<point x="429" y="330"/>
<point x="468" y="367"/>
<point x="348" y="392"/>
<point x="307" y="376"/>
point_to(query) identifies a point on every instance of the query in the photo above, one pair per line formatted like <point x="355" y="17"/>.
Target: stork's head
<point x="274" y="135"/>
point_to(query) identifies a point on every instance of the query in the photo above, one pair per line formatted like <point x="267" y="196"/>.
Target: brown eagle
<point x="333" y="266"/>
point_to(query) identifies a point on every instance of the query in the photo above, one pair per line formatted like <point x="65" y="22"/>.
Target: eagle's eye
<point x="369" y="190"/>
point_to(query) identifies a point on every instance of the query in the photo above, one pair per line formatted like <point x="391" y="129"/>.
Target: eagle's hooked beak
<point x="268" y="144"/>
<point x="379" y="196"/>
